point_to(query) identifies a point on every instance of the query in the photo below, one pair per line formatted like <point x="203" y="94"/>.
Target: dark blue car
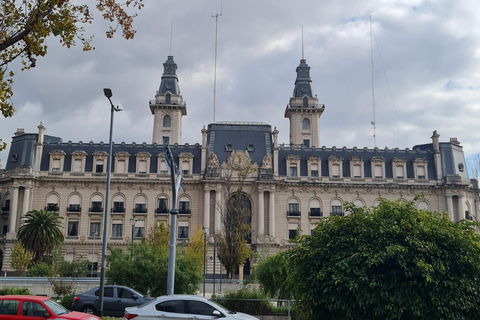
<point x="115" y="300"/>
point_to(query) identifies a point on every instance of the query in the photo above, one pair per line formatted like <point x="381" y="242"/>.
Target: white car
<point x="182" y="307"/>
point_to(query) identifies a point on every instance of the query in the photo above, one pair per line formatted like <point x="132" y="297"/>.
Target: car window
<point x="198" y="307"/>
<point x="33" y="309"/>
<point x="9" y="307"/>
<point x="124" y="293"/>
<point x="56" y="308"/>
<point x="107" y="292"/>
<point x="174" y="306"/>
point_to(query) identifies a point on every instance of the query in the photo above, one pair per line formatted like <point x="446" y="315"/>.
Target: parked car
<point x="115" y="300"/>
<point x="182" y="307"/>
<point x="25" y="307"/>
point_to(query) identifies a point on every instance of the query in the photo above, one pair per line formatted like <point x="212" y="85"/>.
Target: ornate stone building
<point x="294" y="186"/>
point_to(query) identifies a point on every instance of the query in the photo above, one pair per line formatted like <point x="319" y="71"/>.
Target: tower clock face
<point x="169" y="70"/>
<point x="168" y="85"/>
<point x="304" y="89"/>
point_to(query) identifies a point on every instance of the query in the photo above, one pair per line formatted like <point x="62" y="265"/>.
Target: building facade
<point x="293" y="186"/>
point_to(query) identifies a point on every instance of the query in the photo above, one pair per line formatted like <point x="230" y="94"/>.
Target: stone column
<point x="206" y="210"/>
<point x="271" y="215"/>
<point x="218" y="212"/>
<point x="261" y="214"/>
<point x="450" y="207"/>
<point x="26" y="200"/>
<point x="461" y="207"/>
<point x="13" y="214"/>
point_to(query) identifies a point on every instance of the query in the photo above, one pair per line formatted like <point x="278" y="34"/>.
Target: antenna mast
<point x="302" y="43"/>
<point x="171" y="36"/>
<point x="373" y="86"/>
<point x="215" y="68"/>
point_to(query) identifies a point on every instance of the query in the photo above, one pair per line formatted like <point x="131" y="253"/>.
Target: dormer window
<point x="57" y="158"/>
<point x="250" y="147"/>
<point x="185" y="160"/>
<point x="335" y="164"/>
<point x="143" y="162"/>
<point x="99" y="161"/>
<point x="313" y="163"/>
<point x="293" y="165"/>
<point x="420" y="168"/>
<point x="229" y="147"/>
<point x="78" y="161"/>
<point x="399" y="168"/>
<point x="121" y="162"/>
<point x="378" y="167"/>
<point x="356" y="167"/>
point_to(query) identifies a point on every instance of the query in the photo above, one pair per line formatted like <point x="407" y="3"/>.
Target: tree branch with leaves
<point x="25" y="25"/>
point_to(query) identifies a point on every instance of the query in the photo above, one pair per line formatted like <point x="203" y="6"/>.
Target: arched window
<point x="305" y="102"/>
<point x="315" y="208"/>
<point x="52" y="203"/>
<point x="337" y="208"/>
<point x="140" y="204"/>
<point x="305" y="124"/>
<point x="96" y="204"/>
<point x="167" y="121"/>
<point x="184" y="205"/>
<point x="293" y="208"/>
<point x="422" y="205"/>
<point x="74" y="203"/>
<point x="168" y="98"/>
<point x="118" y="204"/>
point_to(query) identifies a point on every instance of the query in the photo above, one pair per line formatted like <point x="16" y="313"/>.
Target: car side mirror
<point x="218" y="314"/>
<point x="134" y="297"/>
<point x="46" y="315"/>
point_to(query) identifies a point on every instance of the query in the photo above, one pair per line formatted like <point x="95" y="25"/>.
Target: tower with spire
<point x="168" y="106"/>
<point x="303" y="111"/>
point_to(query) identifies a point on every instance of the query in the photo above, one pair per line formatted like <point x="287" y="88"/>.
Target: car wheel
<point x="89" y="310"/>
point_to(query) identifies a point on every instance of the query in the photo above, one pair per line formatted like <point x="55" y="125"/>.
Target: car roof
<point x="23" y="297"/>
<point x="182" y="296"/>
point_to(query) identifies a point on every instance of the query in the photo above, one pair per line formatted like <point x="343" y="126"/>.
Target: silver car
<point x="182" y="307"/>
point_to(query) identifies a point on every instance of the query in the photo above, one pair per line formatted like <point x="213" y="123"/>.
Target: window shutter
<point x="378" y="171"/>
<point x="77" y="165"/>
<point x="120" y="166"/>
<point x="335" y="170"/>
<point x="357" y="170"/>
<point x="399" y="171"/>
<point x="142" y="166"/>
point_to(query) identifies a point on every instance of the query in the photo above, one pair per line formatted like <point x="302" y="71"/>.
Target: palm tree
<point x="40" y="232"/>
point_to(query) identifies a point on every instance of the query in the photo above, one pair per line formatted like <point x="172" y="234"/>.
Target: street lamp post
<point x="133" y="222"/>
<point x="108" y="94"/>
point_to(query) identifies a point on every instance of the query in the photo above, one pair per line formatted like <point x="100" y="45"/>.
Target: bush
<point x="40" y="270"/>
<point x="248" y="301"/>
<point x="14" y="290"/>
<point x="67" y="301"/>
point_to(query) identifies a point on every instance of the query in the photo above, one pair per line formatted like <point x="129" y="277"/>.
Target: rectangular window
<point x="72" y="229"/>
<point x="292" y="231"/>
<point x="162" y="205"/>
<point x="314" y="170"/>
<point x="94" y="229"/>
<point x="117" y="229"/>
<point x="337" y="211"/>
<point x="184" y="207"/>
<point x="53" y="207"/>
<point x="120" y="167"/>
<point x="56" y="165"/>
<point x="99" y="166"/>
<point x="306" y="143"/>
<point x="357" y="171"/>
<point x="142" y="166"/>
<point x="140" y="208"/>
<point x="335" y="170"/>
<point x="293" y="170"/>
<point x="77" y="165"/>
<point x="96" y="206"/>
<point x="293" y="208"/>
<point x="185" y="168"/>
<point x="377" y="169"/>
<point x="183" y="232"/>
<point x="163" y="168"/>
<point x="315" y="212"/>
<point x="118" y="206"/>
<point x="399" y="172"/>
<point x="421" y="172"/>
<point x="138" y="232"/>
<point x="74" y="208"/>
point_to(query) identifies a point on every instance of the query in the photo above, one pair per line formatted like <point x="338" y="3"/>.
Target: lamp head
<point x="107" y="92"/>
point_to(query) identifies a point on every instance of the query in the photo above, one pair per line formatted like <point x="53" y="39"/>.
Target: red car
<point x="36" y="308"/>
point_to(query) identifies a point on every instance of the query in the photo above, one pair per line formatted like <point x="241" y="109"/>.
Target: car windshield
<point x="55" y="307"/>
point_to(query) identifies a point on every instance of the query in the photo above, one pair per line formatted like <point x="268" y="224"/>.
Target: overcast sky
<point x="426" y="71"/>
